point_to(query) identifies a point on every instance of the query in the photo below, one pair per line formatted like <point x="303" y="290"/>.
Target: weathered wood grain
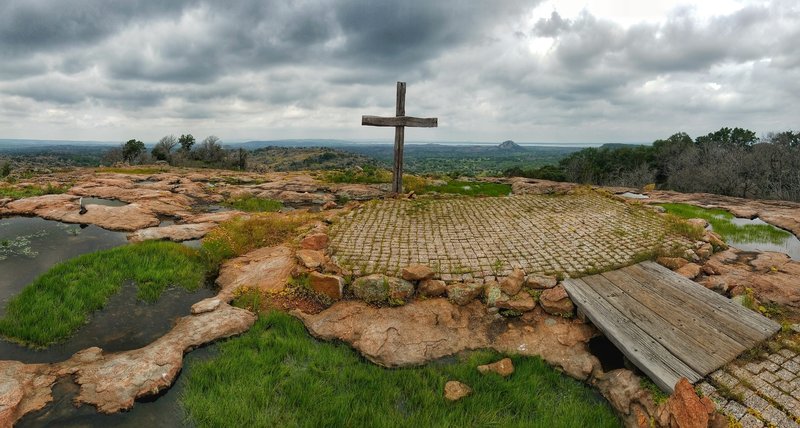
<point x="399" y="122"/>
<point x="664" y="368"/>
<point x="414" y="122"/>
<point x="667" y="325"/>
<point x="744" y="316"/>
<point x="706" y="310"/>
<point x="676" y="340"/>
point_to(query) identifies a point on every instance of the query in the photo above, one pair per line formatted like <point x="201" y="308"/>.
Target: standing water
<point x="786" y="243"/>
<point x="30" y="247"/>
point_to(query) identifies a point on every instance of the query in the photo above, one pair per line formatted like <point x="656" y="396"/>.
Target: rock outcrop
<point x="175" y="232"/>
<point x="112" y="382"/>
<point x="772" y="277"/>
<point x="265" y="269"/>
<point x="426" y="330"/>
<point x="65" y="208"/>
<point x="379" y="289"/>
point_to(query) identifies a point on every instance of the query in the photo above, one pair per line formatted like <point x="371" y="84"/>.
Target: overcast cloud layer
<point x="490" y="71"/>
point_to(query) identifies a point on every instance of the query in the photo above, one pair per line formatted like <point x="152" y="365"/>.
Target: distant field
<point x="418" y="158"/>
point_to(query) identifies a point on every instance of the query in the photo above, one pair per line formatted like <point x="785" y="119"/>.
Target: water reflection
<point x="790" y="245"/>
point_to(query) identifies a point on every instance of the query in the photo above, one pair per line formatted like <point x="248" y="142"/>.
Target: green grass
<point x="15" y="192"/>
<point x="242" y="234"/>
<point x="276" y="375"/>
<point x="722" y="223"/>
<point x="59" y="302"/>
<point x="254" y="204"/>
<point x="471" y="188"/>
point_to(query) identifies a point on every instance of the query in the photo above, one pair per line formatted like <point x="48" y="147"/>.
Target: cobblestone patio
<point x="760" y="393"/>
<point x="479" y="238"/>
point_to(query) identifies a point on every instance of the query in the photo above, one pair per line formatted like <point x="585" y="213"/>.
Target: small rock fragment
<point x="672" y="262"/>
<point x="540" y="282"/>
<point x="556" y="301"/>
<point x="455" y="390"/>
<point x="463" y="293"/>
<point x="315" y="241"/>
<point x="311" y="259"/>
<point x="432" y="288"/>
<point x="522" y="302"/>
<point x="379" y="288"/>
<point x="504" y="367"/>
<point x="698" y="222"/>
<point x="329" y="285"/>
<point x="690" y="270"/>
<point x="417" y="273"/>
<point x="206" y="305"/>
<point x="512" y="284"/>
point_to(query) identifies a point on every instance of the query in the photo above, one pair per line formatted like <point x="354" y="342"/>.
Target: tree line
<point x="733" y="162"/>
<point x="179" y="151"/>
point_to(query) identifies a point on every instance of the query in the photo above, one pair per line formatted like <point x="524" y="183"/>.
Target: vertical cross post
<point x="400" y="121"/>
<point x="399" y="137"/>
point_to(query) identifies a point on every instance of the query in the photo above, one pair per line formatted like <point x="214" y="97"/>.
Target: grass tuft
<point x="303" y="382"/>
<point x="470" y="188"/>
<point x="722" y="223"/>
<point x="242" y="234"/>
<point x="60" y="301"/>
<point x="19" y="192"/>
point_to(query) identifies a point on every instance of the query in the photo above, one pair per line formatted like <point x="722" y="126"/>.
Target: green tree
<point x="739" y="137"/>
<point x="6" y="169"/>
<point x="163" y="149"/>
<point x="186" y="141"/>
<point x="132" y="149"/>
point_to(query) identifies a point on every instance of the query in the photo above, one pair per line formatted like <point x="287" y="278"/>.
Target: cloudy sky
<point x="533" y="71"/>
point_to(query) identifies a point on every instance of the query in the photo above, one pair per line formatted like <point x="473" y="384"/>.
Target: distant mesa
<point x="509" y="145"/>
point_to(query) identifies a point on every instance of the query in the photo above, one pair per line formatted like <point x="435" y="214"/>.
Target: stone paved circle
<point x="759" y="393"/>
<point x="481" y="238"/>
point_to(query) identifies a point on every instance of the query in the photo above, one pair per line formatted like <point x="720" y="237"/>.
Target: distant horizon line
<point x="337" y="140"/>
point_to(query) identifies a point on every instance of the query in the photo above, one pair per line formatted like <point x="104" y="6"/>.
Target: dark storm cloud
<point x="28" y="26"/>
<point x="229" y="61"/>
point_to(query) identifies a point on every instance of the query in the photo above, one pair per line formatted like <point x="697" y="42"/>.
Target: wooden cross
<point x="400" y="121"/>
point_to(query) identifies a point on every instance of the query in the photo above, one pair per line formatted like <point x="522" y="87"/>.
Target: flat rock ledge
<point x="425" y="330"/>
<point x="175" y="232"/>
<point x="112" y="382"/>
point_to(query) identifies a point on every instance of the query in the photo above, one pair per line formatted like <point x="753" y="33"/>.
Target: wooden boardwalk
<point x="669" y="326"/>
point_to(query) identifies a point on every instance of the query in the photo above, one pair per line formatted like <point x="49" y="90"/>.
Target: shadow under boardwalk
<point x="669" y="326"/>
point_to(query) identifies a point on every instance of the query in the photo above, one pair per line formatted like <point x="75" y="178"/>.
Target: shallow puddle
<point x="632" y="195"/>
<point x="790" y="245"/>
<point x="30" y="246"/>
<point x="105" y="202"/>
<point x="125" y="323"/>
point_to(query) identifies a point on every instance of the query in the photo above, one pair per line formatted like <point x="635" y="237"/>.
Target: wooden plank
<point x="703" y="337"/>
<point x="664" y="368"/>
<point x="414" y="122"/>
<point x="705" y="311"/>
<point x="680" y="343"/>
<point x="741" y="314"/>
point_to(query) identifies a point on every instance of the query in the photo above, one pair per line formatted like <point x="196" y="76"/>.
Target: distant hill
<point x="275" y="158"/>
<point x="510" y="145"/>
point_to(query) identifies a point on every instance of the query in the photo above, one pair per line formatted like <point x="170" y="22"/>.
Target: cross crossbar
<point x="415" y="122"/>
<point x="399" y="122"/>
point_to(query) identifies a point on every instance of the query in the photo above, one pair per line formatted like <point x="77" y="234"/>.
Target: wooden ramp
<point x="669" y="326"/>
